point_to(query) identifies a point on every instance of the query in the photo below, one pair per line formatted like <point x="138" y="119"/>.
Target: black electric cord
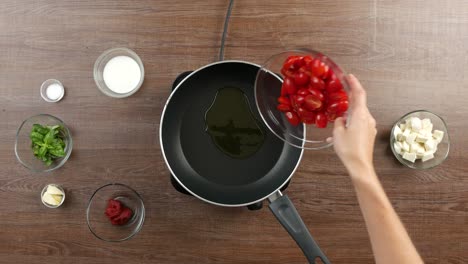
<point x="226" y="23"/>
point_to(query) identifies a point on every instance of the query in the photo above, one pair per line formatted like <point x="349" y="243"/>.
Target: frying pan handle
<point x="287" y="215"/>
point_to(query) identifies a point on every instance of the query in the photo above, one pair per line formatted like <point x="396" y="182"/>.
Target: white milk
<point x="54" y="91"/>
<point x="122" y="74"/>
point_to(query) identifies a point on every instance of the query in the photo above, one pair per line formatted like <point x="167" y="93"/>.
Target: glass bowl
<point x="98" y="222"/>
<point x="442" y="148"/>
<point x="45" y="85"/>
<point x="267" y="90"/>
<point x="52" y="206"/>
<point x="100" y="64"/>
<point x="23" y="150"/>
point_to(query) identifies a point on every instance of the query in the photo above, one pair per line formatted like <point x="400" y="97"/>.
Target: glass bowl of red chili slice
<point x="299" y="94"/>
<point x="115" y="212"/>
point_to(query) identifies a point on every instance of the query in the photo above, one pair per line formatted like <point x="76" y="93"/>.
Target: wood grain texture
<point x="401" y="50"/>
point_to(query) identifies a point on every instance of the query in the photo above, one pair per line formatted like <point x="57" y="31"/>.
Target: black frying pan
<point x="211" y="175"/>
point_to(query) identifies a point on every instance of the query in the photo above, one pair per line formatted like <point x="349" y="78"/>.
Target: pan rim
<point x="169" y="166"/>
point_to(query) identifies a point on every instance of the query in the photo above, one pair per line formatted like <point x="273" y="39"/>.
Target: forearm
<point x="389" y="239"/>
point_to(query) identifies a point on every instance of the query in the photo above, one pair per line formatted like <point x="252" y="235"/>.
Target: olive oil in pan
<point x="231" y="124"/>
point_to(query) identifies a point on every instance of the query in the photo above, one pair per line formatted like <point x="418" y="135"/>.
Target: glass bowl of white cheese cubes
<point x="419" y="140"/>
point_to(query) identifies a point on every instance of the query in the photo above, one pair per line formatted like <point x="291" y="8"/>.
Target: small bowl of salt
<point x="52" y="91"/>
<point x="119" y="72"/>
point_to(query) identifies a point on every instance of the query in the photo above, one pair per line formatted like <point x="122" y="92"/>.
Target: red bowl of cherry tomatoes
<point x="301" y="91"/>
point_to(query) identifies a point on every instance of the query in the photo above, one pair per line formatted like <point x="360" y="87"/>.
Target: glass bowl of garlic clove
<point x="52" y="195"/>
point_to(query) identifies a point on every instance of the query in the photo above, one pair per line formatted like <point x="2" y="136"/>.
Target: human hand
<point x="354" y="144"/>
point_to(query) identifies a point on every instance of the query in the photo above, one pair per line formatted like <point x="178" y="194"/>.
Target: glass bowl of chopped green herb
<point x="43" y="143"/>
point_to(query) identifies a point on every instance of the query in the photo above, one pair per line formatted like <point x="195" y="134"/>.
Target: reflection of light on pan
<point x="273" y="118"/>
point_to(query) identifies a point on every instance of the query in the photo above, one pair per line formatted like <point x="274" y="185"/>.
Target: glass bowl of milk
<point x="119" y="72"/>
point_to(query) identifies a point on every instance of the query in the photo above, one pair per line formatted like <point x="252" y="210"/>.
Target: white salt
<point x="54" y="91"/>
<point x="122" y="74"/>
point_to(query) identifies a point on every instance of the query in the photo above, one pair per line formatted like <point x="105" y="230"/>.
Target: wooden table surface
<point x="409" y="55"/>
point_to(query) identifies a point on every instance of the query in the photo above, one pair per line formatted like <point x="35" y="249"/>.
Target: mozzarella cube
<point x="422" y="138"/>
<point x="405" y="147"/>
<point x="426" y="122"/>
<point x="399" y="144"/>
<point x="427" y="157"/>
<point x="438" y="135"/>
<point x="414" y="147"/>
<point x="428" y="129"/>
<point x="430" y="145"/>
<point x="396" y="132"/>
<point x="420" y="150"/>
<point x="409" y="156"/>
<point x="397" y="147"/>
<point x="416" y="124"/>
<point x="400" y="137"/>
<point x="426" y="133"/>
<point x="414" y="139"/>
<point x="405" y="134"/>
<point x="408" y="123"/>
<point x="411" y="138"/>
<point x="431" y="151"/>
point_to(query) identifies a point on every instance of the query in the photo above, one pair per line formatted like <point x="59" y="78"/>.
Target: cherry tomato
<point x="316" y="83"/>
<point x="289" y="86"/>
<point x="312" y="103"/>
<point x="284" y="100"/>
<point x="337" y="96"/>
<point x="293" y="62"/>
<point x="321" y="120"/>
<point x="331" y="116"/>
<point x="332" y="107"/>
<point x="319" y="69"/>
<point x="301" y="79"/>
<point x="292" y="118"/>
<point x="317" y="93"/>
<point x="283" y="91"/>
<point x="302" y="92"/>
<point x="308" y="60"/>
<point x="306" y="70"/>
<point x="331" y="75"/>
<point x="308" y="120"/>
<point x="338" y="107"/>
<point x="342" y="107"/>
<point x="334" y="85"/>
<point x="302" y="112"/>
<point x="287" y="73"/>
<point x="296" y="101"/>
<point x="306" y="116"/>
<point x="284" y="107"/>
<point x="300" y="99"/>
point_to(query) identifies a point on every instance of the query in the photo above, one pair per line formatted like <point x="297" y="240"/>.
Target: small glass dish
<point x="100" y="64"/>
<point x="44" y="87"/>
<point x="442" y="148"/>
<point x="23" y="143"/>
<point x="52" y="206"/>
<point x="267" y="90"/>
<point x="98" y="222"/>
